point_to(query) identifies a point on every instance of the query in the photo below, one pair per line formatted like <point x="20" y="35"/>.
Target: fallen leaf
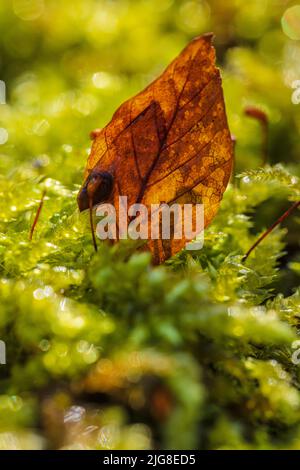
<point x="168" y="144"/>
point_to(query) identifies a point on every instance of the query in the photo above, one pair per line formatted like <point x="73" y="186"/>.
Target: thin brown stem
<point x="266" y="233"/>
<point x="37" y="215"/>
<point x="92" y="224"/>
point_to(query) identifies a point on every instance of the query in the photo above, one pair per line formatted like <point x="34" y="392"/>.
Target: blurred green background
<point x="105" y="351"/>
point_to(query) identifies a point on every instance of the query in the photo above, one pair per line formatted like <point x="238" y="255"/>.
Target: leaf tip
<point x="209" y="36"/>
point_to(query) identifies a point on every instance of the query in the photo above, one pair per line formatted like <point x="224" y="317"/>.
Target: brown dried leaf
<point x="170" y="143"/>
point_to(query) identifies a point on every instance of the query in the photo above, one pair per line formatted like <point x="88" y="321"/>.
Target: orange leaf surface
<point x="168" y="144"/>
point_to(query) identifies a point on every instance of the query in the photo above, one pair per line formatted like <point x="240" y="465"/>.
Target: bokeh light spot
<point x="3" y="136"/>
<point x="291" y="22"/>
<point x="28" y="10"/>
